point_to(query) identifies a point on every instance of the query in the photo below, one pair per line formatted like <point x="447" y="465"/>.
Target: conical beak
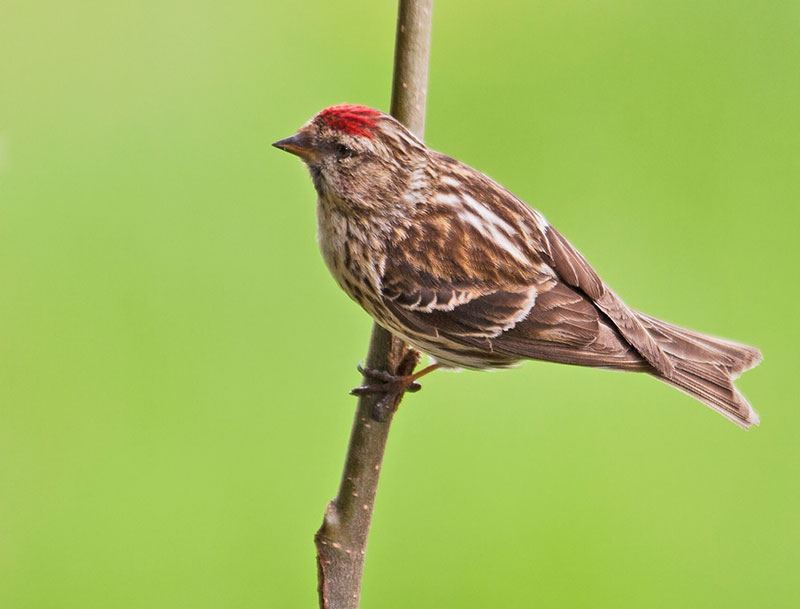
<point x="300" y="144"/>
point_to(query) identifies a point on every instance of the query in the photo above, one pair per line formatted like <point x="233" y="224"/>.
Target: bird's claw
<point x="390" y="385"/>
<point x="385" y="388"/>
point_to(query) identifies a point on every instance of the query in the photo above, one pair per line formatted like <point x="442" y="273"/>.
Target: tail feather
<point x="705" y="368"/>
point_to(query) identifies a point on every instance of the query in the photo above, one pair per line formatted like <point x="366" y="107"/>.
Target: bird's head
<point x="360" y="157"/>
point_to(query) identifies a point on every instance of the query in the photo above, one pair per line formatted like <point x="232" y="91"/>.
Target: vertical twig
<point x="411" y="53"/>
<point x="341" y="541"/>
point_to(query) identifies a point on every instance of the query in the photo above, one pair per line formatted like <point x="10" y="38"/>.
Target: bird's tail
<point x="705" y="368"/>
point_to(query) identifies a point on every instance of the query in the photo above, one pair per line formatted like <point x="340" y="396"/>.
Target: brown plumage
<point x="463" y="270"/>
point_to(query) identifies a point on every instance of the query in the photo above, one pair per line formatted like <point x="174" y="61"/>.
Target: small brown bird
<point x="457" y="266"/>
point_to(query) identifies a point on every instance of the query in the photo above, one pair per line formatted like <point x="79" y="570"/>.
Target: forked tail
<point x="705" y="368"/>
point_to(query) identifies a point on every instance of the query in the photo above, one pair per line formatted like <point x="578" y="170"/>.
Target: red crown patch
<point x="351" y="119"/>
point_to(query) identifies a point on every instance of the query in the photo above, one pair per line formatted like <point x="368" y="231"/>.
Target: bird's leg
<point x="392" y="386"/>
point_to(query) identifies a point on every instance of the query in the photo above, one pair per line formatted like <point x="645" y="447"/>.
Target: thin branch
<point x="341" y="541"/>
<point x="411" y="54"/>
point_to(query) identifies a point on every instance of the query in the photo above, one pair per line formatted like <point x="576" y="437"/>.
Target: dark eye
<point x="343" y="151"/>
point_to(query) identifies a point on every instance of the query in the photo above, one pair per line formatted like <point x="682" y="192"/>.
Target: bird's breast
<point x="353" y="254"/>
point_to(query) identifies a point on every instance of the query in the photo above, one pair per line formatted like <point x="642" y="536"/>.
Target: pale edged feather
<point x="573" y="268"/>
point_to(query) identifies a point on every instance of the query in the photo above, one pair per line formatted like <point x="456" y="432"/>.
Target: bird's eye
<point x="343" y="151"/>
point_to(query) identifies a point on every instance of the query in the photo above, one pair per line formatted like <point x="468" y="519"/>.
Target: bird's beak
<point x="301" y="144"/>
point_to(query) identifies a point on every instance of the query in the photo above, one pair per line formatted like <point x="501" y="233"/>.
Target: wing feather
<point x="530" y="294"/>
<point x="546" y="320"/>
<point x="573" y="268"/>
<point x="461" y="307"/>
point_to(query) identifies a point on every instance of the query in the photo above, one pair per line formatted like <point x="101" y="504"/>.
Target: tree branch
<point x="341" y="541"/>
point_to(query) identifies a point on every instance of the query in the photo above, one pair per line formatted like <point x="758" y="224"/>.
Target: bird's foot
<point x="389" y="383"/>
<point x="391" y="386"/>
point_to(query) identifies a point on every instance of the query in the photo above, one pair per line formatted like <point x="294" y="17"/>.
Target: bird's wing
<point x="461" y="285"/>
<point x="487" y="266"/>
<point x="545" y="319"/>
<point x="573" y="269"/>
<point x="472" y="189"/>
<point x="434" y="304"/>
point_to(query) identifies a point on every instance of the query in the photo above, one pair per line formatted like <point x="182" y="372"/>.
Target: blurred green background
<point x="175" y="359"/>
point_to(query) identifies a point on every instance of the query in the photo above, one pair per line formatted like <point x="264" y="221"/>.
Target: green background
<point x="175" y="359"/>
